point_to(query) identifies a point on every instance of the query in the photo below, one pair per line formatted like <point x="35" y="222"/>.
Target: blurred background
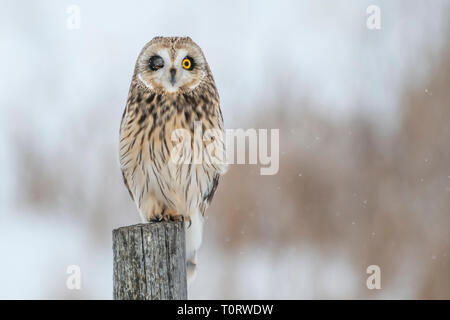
<point x="364" y="119"/>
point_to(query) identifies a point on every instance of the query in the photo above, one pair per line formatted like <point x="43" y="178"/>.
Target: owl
<point x="172" y="97"/>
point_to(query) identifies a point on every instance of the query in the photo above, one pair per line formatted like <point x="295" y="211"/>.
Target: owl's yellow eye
<point x="187" y="63"/>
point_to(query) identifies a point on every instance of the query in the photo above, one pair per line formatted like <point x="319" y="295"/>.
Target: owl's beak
<point x="172" y="76"/>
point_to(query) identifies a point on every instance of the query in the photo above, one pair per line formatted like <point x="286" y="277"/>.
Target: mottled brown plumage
<point x="163" y="99"/>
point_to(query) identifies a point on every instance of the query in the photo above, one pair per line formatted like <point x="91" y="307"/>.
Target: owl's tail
<point x="194" y="233"/>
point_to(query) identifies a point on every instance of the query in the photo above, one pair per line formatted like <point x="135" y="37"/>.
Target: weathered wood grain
<point x="150" y="262"/>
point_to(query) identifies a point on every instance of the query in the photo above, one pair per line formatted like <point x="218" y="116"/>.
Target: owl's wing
<point x="125" y="181"/>
<point x="125" y="146"/>
<point x="212" y="190"/>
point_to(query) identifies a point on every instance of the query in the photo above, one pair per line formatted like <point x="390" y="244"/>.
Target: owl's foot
<point x="171" y="215"/>
<point x="177" y="218"/>
<point x="156" y="218"/>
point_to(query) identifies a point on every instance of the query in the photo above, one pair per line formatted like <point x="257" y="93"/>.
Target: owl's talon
<point x="156" y="219"/>
<point x="164" y="215"/>
<point x="171" y="215"/>
<point x="177" y="218"/>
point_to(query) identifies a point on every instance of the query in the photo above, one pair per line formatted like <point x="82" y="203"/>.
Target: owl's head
<point x="171" y="64"/>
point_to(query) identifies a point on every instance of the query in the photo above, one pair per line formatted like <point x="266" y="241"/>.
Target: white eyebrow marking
<point x="180" y="55"/>
<point x="163" y="53"/>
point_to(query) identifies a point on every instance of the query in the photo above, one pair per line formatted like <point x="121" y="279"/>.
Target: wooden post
<point x="150" y="262"/>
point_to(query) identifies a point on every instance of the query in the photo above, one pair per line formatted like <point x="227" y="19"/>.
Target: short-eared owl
<point x="172" y="88"/>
